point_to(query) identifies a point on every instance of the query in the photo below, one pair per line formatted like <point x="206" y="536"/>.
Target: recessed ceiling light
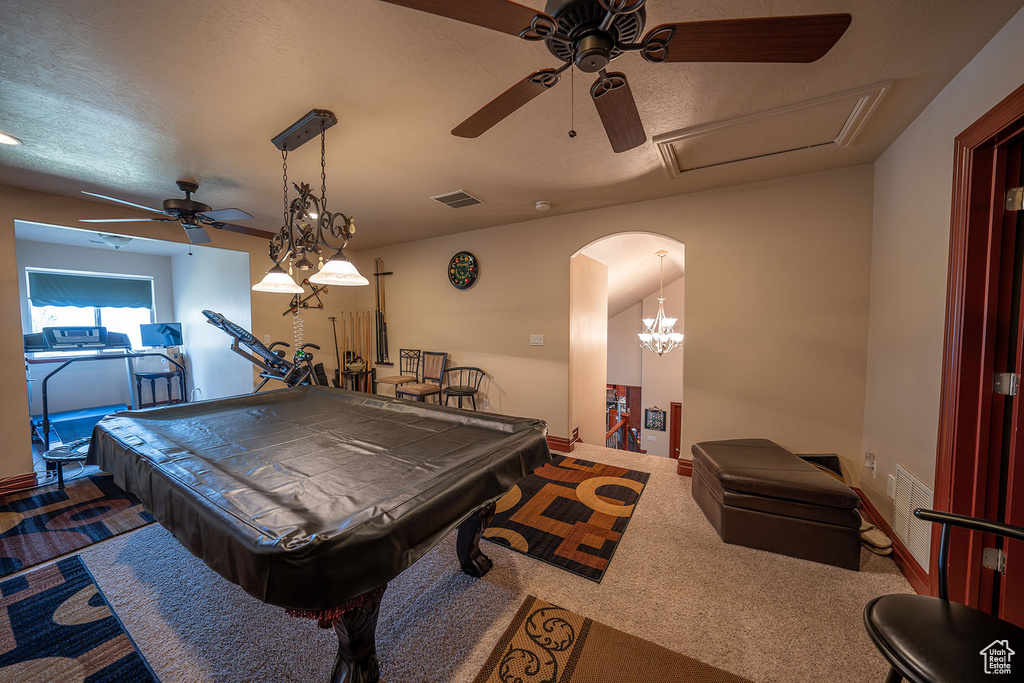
<point x="6" y="139"/>
<point x="543" y="205"/>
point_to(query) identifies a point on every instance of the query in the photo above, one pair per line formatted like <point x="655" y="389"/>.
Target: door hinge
<point x="995" y="559"/>
<point x="1006" y="383"/>
<point x="1015" y="199"/>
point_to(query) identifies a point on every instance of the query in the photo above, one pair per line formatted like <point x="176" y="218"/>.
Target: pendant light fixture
<point x="308" y="225"/>
<point x="659" y="337"/>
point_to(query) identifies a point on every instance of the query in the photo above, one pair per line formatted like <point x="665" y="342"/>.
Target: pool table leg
<point x="473" y="561"/>
<point x="357" y="648"/>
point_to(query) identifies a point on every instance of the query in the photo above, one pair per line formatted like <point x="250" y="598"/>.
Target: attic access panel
<point x="833" y="120"/>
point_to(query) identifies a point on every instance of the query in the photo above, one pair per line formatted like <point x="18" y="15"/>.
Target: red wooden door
<point x="1005" y="499"/>
<point x="675" y="422"/>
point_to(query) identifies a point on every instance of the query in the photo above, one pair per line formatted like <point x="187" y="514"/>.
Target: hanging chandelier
<point x="310" y="231"/>
<point x="659" y="337"/>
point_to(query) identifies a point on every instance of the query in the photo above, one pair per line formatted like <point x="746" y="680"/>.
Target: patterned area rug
<point x="551" y="644"/>
<point x="45" y="523"/>
<point x="55" y="625"/>
<point x="571" y="513"/>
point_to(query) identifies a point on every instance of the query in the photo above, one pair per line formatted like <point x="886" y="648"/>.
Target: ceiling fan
<point x="591" y="33"/>
<point x="192" y="215"/>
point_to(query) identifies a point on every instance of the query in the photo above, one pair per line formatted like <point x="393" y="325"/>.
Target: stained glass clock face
<point x="462" y="270"/>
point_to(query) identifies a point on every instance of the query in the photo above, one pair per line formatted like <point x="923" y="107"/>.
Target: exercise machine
<point x="271" y="361"/>
<point x="76" y="340"/>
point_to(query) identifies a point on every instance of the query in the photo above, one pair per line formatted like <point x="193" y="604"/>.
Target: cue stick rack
<point x="381" y="314"/>
<point x="356" y="331"/>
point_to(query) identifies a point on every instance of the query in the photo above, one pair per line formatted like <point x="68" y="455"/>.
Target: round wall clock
<point x="462" y="270"/>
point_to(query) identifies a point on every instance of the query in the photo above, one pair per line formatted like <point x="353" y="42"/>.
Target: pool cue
<point x="384" y="312"/>
<point x="337" y="356"/>
<point x="377" y="313"/>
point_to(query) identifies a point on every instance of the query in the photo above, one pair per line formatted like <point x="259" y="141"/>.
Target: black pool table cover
<point x="309" y="497"/>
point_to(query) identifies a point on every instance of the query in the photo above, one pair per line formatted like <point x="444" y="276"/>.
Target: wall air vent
<point x="459" y="199"/>
<point x="915" y="533"/>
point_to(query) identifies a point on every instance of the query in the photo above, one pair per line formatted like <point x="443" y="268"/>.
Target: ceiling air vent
<point x="459" y="199"/>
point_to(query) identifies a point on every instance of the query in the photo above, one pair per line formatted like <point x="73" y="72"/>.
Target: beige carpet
<point x="672" y="581"/>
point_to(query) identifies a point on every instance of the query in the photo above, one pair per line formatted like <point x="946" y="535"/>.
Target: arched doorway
<point x="614" y="284"/>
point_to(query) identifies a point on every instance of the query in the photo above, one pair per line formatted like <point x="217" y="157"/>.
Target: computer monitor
<point x="161" y="334"/>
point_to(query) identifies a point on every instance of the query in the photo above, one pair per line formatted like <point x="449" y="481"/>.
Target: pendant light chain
<point x="284" y="168"/>
<point x="323" y="168"/>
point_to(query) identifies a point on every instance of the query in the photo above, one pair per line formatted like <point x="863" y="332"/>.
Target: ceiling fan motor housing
<point x="591" y="48"/>
<point x="186" y="206"/>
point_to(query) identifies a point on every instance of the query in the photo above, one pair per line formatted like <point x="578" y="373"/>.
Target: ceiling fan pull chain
<point x="572" y="102"/>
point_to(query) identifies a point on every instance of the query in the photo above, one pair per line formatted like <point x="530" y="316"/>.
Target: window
<point x="64" y="298"/>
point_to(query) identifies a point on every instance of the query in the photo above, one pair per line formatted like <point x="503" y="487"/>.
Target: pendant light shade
<point x="278" y="282"/>
<point x="339" y="271"/>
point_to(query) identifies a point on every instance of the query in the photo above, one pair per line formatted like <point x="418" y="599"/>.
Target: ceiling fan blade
<point x="121" y="220"/>
<point x="244" y="230"/>
<point x="499" y="15"/>
<point x="799" y="39"/>
<point x="506" y="103"/>
<point x="615" y="103"/>
<point x="196" y="234"/>
<point x="226" y="215"/>
<point x="122" y="201"/>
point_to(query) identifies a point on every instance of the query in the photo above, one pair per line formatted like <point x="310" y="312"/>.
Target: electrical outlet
<point x="536" y="340"/>
<point x="266" y="339"/>
<point x="890" y="486"/>
<point x="871" y="462"/>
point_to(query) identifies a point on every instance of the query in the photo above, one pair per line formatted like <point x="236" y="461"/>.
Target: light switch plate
<point x="652" y="438"/>
<point x="536" y="340"/>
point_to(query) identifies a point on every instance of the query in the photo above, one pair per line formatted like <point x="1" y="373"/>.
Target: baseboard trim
<point x="915" y="573"/>
<point x="18" y="482"/>
<point x="685" y="468"/>
<point x="562" y="445"/>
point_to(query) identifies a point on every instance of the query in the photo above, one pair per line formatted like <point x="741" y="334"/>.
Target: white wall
<point x="663" y="375"/>
<point x="909" y="266"/>
<point x="218" y="280"/>
<point x="624" y="347"/>
<point x="588" y="344"/>
<point x="88" y="384"/>
<point x="777" y="295"/>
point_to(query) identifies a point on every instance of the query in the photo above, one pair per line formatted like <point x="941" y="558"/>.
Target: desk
<point x="313" y="498"/>
<point x="152" y="378"/>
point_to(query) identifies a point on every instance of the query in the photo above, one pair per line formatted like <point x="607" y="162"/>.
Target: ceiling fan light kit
<point x="589" y="34"/>
<point x="309" y="228"/>
<point x="6" y="139"/>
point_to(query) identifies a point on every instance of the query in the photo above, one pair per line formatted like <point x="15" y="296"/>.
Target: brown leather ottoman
<point x="758" y="494"/>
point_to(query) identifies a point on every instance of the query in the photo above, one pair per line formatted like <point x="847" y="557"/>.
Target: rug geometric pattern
<point x="56" y="625"/>
<point x="550" y="644"/>
<point x="570" y="513"/>
<point x="44" y="523"/>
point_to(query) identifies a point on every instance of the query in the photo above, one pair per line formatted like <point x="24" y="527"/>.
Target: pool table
<point x="314" y="498"/>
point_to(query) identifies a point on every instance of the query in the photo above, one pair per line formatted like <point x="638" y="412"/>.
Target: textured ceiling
<point x="124" y="98"/>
